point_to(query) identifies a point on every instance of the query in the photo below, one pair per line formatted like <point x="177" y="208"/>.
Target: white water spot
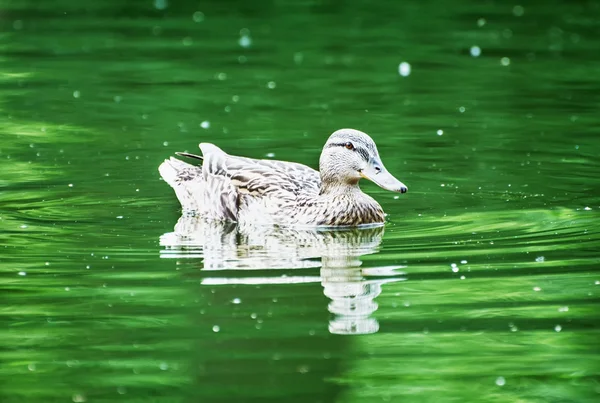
<point x="587" y="208"/>
<point x="271" y="85"/>
<point x="463" y="262"/>
<point x="454" y="267"/>
<point x="518" y="11"/>
<point x="462" y="109"/>
<point x="118" y="99"/>
<point x="165" y="143"/>
<point x="563" y="309"/>
<point x="119" y="217"/>
<point x="500" y="381"/>
<point x="298" y="57"/>
<point x="505" y="61"/>
<point x="121" y="390"/>
<point x="216" y="329"/>
<point x="270" y="155"/>
<point x="396" y="197"/>
<point x="163" y="366"/>
<point x="536" y="289"/>
<point x="78" y="398"/>
<point x="236" y="301"/>
<point x="481" y="22"/>
<point x="245" y="41"/>
<point x="440" y="132"/>
<point x="31" y="367"/>
<point x="205" y="124"/>
<point x="235" y="98"/>
<point x="404" y="69"/>
<point x="198" y="16"/>
<point x="253" y="315"/>
<point x="161" y="4"/>
<point x="540" y="259"/>
<point x="70" y="185"/>
<point x="475" y="51"/>
<point x="76" y="94"/>
<point x="23" y="226"/>
<point x="22" y="273"/>
<point x="557" y="328"/>
<point x="67" y="289"/>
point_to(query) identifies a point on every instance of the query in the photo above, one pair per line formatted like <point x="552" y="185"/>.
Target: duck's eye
<point x="349" y="146"/>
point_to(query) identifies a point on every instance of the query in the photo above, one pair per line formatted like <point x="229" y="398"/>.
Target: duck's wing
<point x="279" y="179"/>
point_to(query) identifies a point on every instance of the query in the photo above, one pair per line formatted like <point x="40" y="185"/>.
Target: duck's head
<point x="350" y="155"/>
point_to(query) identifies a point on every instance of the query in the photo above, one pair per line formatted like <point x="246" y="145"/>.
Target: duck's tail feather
<point x="182" y="154"/>
<point x="186" y="180"/>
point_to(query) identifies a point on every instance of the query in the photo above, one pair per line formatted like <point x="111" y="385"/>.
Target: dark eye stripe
<point x="363" y="153"/>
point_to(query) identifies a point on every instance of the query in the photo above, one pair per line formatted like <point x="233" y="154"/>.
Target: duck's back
<point x="238" y="189"/>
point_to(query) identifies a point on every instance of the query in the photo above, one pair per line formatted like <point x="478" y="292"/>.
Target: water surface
<point x="483" y="285"/>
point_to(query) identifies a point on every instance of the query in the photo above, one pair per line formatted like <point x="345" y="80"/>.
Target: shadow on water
<point x="233" y="255"/>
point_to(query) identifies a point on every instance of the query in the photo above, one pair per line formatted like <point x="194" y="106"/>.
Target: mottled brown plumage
<point x="255" y="191"/>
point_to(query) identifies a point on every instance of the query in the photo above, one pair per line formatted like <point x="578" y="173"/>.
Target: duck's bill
<point x="376" y="173"/>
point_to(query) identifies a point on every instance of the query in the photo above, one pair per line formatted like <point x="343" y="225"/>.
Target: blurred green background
<point x="487" y="110"/>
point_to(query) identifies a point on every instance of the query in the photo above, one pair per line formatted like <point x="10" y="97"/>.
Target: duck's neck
<point x="346" y="204"/>
<point x="336" y="188"/>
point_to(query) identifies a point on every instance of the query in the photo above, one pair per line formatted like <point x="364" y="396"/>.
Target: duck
<point x="281" y="193"/>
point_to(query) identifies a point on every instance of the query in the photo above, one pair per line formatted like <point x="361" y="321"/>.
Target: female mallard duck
<point x="252" y="191"/>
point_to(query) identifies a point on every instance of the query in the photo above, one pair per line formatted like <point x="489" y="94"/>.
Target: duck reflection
<point x="230" y="247"/>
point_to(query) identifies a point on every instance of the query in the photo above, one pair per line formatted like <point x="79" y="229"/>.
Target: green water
<point x="483" y="286"/>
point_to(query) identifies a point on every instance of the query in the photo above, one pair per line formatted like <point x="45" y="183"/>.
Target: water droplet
<point x="216" y="329"/>
<point x="78" y="398"/>
<point x="161" y="4"/>
<point x="462" y="277"/>
<point x="463" y="262"/>
<point x="163" y="366"/>
<point x="165" y="143"/>
<point x="404" y="69"/>
<point x="518" y="11"/>
<point x="298" y="57"/>
<point x="245" y="41"/>
<point x="505" y="61"/>
<point x="121" y="390"/>
<point x="119" y="216"/>
<point x="540" y="259"/>
<point x="235" y="98"/>
<point x="475" y="51"/>
<point x="67" y="289"/>
<point x="222" y="76"/>
<point x="117" y="99"/>
<point x="440" y="132"/>
<point x="271" y="85"/>
<point x="76" y="94"/>
<point x="587" y="208"/>
<point x="31" y="367"/>
<point x="187" y="41"/>
<point x="481" y="22"/>
<point x="270" y="155"/>
<point x="22" y="273"/>
<point x="537" y="289"/>
<point x="461" y="109"/>
<point x="198" y="16"/>
<point x="557" y="328"/>
<point x="205" y="124"/>
<point x="236" y="301"/>
<point x="500" y="381"/>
